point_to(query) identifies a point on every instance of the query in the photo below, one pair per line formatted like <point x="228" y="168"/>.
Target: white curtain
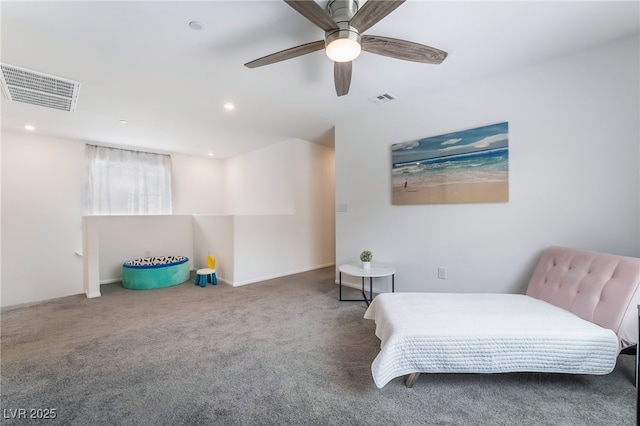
<point x="123" y="182"/>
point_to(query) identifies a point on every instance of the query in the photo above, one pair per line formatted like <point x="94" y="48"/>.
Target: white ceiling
<point x="140" y="61"/>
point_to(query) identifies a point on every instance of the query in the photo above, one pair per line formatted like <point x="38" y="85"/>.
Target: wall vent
<point x="36" y="88"/>
<point x="382" y="99"/>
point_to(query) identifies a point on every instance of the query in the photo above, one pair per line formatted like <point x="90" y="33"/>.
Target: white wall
<point x="109" y="241"/>
<point x="574" y="148"/>
<point x="315" y="202"/>
<point x="42" y="203"/>
<point x="123" y="238"/>
<point x="282" y="199"/>
<point x="197" y="185"/>
<point x="261" y="181"/>
<point x="266" y="246"/>
<point x="215" y="235"/>
<point x="42" y="206"/>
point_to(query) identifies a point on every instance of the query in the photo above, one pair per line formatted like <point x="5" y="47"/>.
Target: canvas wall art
<point x="469" y="166"/>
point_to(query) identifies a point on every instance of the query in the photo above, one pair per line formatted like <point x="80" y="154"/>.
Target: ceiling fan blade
<point x="372" y="12"/>
<point x="283" y="55"/>
<point x="313" y="12"/>
<point x="342" y="76"/>
<point x="403" y="49"/>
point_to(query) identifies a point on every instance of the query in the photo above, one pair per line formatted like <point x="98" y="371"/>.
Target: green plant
<point x="366" y="256"/>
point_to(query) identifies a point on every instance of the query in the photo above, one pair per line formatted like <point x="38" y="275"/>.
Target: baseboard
<point x="284" y="274"/>
<point x="241" y="283"/>
<point x="119" y="280"/>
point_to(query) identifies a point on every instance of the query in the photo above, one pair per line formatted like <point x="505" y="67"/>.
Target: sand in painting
<point x="482" y="192"/>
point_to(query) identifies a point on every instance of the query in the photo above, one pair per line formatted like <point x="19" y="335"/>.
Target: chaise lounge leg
<point x="411" y="379"/>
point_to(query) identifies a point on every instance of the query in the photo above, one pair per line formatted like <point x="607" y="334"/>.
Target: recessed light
<point x="210" y="154"/>
<point x="195" y="25"/>
<point x="228" y="106"/>
<point x="29" y="127"/>
<point x="123" y="121"/>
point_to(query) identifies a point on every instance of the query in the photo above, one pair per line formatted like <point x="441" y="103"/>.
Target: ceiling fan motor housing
<point x="342" y="11"/>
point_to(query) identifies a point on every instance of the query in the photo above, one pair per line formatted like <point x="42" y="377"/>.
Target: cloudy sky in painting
<point x="473" y="140"/>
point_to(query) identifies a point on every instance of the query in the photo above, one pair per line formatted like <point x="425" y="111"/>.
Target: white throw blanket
<point x="484" y="333"/>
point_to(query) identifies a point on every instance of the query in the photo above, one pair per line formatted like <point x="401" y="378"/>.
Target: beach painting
<point x="469" y="166"/>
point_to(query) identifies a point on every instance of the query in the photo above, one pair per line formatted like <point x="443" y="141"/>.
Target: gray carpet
<point x="282" y="352"/>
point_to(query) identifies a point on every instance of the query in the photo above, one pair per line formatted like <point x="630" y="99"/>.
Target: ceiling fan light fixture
<point x="343" y="45"/>
<point x="343" y="50"/>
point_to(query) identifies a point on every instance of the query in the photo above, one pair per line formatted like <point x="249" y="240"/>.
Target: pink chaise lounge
<point x="578" y="313"/>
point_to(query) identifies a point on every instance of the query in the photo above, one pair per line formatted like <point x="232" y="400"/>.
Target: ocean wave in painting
<point x="491" y="165"/>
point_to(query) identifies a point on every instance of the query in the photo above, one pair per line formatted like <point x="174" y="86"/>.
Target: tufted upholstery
<point x="598" y="287"/>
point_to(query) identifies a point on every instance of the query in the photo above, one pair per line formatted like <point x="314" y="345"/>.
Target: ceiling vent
<point x="382" y="99"/>
<point x="36" y="88"/>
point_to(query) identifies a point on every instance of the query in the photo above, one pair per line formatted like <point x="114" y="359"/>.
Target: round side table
<point x="376" y="271"/>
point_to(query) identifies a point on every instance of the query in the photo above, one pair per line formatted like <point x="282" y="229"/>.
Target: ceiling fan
<point x="343" y="25"/>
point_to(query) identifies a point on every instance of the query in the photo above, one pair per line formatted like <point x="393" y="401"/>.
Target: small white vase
<point x="366" y="265"/>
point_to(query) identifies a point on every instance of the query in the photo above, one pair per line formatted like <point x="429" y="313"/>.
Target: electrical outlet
<point x="442" y="273"/>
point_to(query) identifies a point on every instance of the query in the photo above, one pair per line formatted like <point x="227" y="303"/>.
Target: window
<point x="123" y="182"/>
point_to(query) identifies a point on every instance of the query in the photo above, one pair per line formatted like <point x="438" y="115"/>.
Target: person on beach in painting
<point x="405" y="183"/>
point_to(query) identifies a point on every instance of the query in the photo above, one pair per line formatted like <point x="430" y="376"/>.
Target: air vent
<point x="382" y="99"/>
<point x="36" y="88"/>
